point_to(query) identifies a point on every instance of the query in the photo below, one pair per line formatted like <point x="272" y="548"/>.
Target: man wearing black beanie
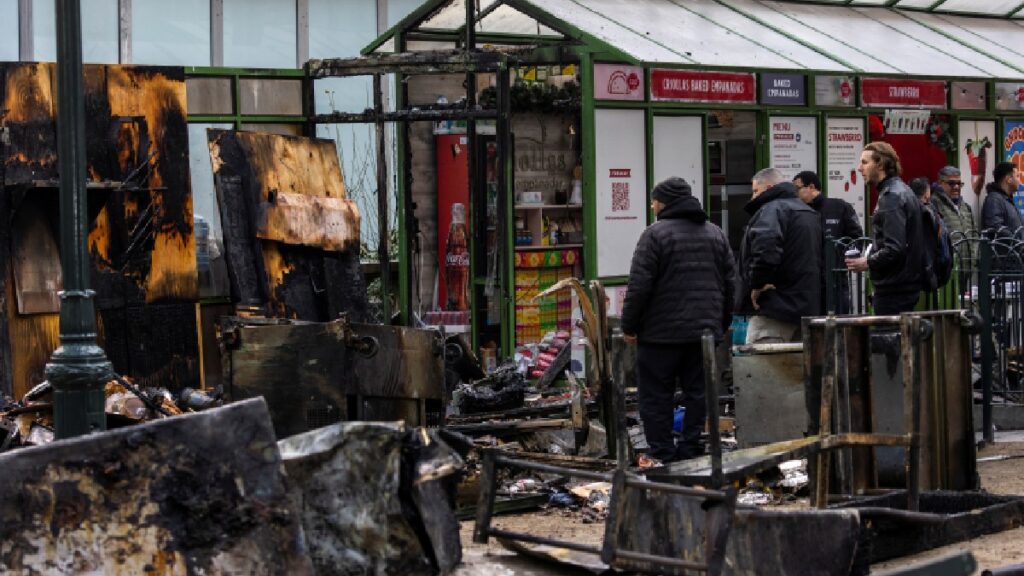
<point x="681" y="282"/>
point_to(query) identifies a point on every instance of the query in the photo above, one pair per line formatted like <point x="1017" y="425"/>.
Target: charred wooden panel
<point x="292" y="268"/>
<point x="142" y="242"/>
<point x="29" y="119"/>
<point x="33" y="339"/>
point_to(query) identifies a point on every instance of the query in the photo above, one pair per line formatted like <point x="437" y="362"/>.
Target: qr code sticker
<point x="620" y="196"/>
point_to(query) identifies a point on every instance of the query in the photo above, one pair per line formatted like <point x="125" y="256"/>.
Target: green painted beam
<point x="936" y="5"/>
<point x="1013" y="12"/>
<point x="244" y="72"/>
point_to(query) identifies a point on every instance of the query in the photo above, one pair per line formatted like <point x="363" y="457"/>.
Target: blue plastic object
<point x="677" y="419"/>
<point x="739" y="330"/>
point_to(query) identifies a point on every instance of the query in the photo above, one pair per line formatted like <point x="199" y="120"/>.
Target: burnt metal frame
<point x="468" y="61"/>
<point x="621" y="481"/>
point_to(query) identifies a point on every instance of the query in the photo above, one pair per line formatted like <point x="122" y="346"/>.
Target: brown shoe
<point x="644" y="462"/>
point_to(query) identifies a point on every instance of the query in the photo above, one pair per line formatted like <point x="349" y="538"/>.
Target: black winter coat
<point x="782" y="246"/>
<point x="999" y="212"/>
<point x="897" y="254"/>
<point x="681" y="280"/>
<point x="838" y="218"/>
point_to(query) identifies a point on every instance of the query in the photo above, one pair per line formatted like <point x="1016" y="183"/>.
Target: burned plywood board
<point x="291" y="235"/>
<point x="202" y="493"/>
<point x="141" y="237"/>
<point x="311" y="373"/>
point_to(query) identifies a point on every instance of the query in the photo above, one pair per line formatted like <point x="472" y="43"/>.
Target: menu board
<point x="844" y="140"/>
<point x="621" y="180"/>
<point x="793" y="144"/>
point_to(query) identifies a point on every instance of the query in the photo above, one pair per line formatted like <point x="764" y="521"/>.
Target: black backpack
<point x="938" y="250"/>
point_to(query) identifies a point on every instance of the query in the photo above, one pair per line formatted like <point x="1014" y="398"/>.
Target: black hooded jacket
<point x="998" y="214"/>
<point x="782" y="246"/>
<point x="681" y="280"/>
<point x="897" y="254"/>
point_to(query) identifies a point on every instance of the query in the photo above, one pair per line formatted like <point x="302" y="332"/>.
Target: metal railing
<point x="987" y="280"/>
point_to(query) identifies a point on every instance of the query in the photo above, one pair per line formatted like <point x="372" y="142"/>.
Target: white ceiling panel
<point x="939" y="37"/>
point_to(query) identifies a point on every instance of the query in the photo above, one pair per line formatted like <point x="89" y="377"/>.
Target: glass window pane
<point x="209" y="95"/>
<point x="259" y="34"/>
<point x="171" y="33"/>
<point x="271" y="96"/>
<point x="357" y="150"/>
<point x="340" y="29"/>
<point x="352" y="94"/>
<point x="398" y="9"/>
<point x="213" y="279"/>
<point x="282" y="129"/>
<point x="8" y="30"/>
<point x="99" y="31"/>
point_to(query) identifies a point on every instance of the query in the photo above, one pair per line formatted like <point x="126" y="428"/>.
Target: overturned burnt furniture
<point x="201" y="493"/>
<point x="643" y="524"/>
<point x="896" y="408"/>
<point x="318" y="373"/>
<point x="142" y="244"/>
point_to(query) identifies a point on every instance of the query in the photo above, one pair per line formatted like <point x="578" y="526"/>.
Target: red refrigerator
<point x="452" y="249"/>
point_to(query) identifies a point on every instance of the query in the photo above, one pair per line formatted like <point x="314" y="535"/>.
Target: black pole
<point x="78" y="368"/>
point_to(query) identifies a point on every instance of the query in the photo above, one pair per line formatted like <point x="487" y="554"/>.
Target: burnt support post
<point x="383" y="230"/>
<point x="78" y="368"/>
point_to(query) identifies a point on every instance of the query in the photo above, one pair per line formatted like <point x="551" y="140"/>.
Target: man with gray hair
<point x="780" y="260"/>
<point x="955" y="211"/>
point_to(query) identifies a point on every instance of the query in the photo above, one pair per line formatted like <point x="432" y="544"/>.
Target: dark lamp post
<point x="78" y="368"/>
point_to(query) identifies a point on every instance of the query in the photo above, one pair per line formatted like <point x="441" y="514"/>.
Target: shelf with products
<point x="536" y="271"/>
<point x="551" y="226"/>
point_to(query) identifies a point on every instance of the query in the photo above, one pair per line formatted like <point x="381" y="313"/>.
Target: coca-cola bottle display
<point x="456" y="261"/>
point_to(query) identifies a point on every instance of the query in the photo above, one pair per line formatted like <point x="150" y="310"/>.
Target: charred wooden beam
<point x="431" y="62"/>
<point x="413" y="115"/>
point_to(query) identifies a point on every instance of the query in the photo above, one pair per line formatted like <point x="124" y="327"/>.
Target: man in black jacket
<point x="681" y="282"/>
<point x="838" y="220"/>
<point x="999" y="216"/>
<point x="780" y="260"/>
<point x="897" y="257"/>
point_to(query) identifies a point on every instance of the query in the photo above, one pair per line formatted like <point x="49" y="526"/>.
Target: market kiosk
<point x="551" y="121"/>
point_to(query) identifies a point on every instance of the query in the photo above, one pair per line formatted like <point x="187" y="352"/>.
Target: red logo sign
<point x="619" y="172"/>
<point x="618" y="82"/>
<point x="898" y="93"/>
<point x="695" y="86"/>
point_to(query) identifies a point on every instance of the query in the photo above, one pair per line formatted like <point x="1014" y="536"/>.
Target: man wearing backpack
<point x="896" y="260"/>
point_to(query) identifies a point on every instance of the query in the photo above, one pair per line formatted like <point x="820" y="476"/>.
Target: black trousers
<point x="658" y="369"/>
<point x="892" y="303"/>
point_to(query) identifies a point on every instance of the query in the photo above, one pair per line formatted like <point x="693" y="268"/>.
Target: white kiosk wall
<point x="679" y="151"/>
<point x="621" y="182"/>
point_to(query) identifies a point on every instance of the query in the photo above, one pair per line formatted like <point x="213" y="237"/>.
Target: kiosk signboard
<point x="1009" y="96"/>
<point x="784" y="89"/>
<point x="618" y="82"/>
<point x="696" y="86"/>
<point x="902" y="93"/>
